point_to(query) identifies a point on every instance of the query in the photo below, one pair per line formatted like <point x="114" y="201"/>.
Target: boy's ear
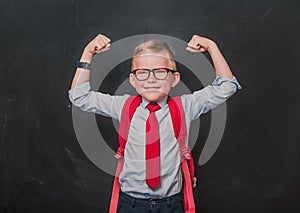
<point x="176" y="79"/>
<point x="132" y="80"/>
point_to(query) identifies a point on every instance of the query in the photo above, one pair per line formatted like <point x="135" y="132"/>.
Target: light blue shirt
<point x="132" y="177"/>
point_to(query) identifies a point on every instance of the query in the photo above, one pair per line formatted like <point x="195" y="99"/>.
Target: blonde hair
<point x="156" y="46"/>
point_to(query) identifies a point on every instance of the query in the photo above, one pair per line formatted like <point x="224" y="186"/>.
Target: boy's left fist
<point x="199" y="44"/>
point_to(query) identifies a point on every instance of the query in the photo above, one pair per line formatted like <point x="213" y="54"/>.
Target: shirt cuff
<point x="79" y="90"/>
<point x="220" y="80"/>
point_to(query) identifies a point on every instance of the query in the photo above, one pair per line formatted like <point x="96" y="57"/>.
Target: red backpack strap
<point x="179" y="125"/>
<point x="128" y="110"/>
<point x="187" y="164"/>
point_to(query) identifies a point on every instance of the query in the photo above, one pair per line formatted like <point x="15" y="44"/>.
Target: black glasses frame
<point x="153" y="72"/>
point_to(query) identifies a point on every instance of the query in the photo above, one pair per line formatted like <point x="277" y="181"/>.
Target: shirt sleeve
<point x="209" y="97"/>
<point x="97" y="102"/>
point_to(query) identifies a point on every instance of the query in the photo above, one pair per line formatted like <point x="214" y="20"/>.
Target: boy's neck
<point x="162" y="102"/>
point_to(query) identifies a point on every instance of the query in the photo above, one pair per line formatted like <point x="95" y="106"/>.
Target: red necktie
<point x="152" y="148"/>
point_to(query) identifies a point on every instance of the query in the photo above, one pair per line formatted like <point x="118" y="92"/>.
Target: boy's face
<point x="152" y="89"/>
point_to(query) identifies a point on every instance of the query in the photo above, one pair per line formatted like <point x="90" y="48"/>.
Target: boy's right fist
<point x="99" y="44"/>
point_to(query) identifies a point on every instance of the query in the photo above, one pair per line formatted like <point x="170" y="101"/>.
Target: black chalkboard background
<point x="42" y="167"/>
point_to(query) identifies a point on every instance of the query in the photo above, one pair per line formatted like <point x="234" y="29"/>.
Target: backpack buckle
<point x="194" y="182"/>
<point x="120" y="153"/>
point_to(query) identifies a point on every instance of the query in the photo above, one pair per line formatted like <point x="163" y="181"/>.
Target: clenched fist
<point x="199" y="44"/>
<point x="99" y="44"/>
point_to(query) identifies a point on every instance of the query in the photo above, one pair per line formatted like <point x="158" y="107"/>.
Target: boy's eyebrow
<point x="169" y="69"/>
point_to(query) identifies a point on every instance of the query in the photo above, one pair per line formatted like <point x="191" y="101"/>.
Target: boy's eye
<point x="160" y="71"/>
<point x="142" y="72"/>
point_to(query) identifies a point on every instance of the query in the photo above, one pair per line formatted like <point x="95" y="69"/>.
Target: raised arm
<point x="202" y="44"/>
<point x="222" y="88"/>
<point x="81" y="94"/>
<point x="99" y="44"/>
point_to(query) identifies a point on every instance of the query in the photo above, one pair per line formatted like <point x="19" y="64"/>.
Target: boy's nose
<point x="151" y="77"/>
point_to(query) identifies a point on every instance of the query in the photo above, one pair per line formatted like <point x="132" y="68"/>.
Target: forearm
<point x="82" y="75"/>
<point x="220" y="64"/>
<point x="202" y="44"/>
<point x="99" y="44"/>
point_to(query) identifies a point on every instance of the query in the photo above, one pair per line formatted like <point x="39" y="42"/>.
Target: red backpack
<point x="179" y="126"/>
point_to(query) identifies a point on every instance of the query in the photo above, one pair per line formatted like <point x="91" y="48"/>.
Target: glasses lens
<point x="142" y="74"/>
<point x="161" y="73"/>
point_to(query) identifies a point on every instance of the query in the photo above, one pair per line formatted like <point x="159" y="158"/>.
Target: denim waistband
<point x="152" y="201"/>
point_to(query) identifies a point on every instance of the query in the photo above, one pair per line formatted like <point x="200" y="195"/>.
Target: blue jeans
<point x="129" y="204"/>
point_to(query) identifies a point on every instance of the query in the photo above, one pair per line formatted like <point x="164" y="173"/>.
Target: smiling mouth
<point x="150" y="88"/>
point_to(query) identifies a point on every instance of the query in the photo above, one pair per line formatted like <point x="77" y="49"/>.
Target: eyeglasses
<point x="159" y="73"/>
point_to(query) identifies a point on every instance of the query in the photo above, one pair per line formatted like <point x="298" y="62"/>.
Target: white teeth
<point x="151" y="87"/>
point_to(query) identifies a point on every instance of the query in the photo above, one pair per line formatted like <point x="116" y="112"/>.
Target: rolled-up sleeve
<point x="209" y="97"/>
<point x="97" y="102"/>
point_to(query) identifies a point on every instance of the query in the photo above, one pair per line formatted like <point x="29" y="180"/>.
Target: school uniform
<point x="135" y="193"/>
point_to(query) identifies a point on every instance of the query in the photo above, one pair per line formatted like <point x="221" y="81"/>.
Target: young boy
<point x="151" y="179"/>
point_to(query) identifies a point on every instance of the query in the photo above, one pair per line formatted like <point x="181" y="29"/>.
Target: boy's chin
<point x="153" y="97"/>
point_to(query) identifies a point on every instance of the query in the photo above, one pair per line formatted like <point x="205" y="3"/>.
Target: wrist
<point x="212" y="47"/>
<point x="86" y="56"/>
<point x="83" y="65"/>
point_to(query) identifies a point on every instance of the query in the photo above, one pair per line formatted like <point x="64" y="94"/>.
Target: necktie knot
<point x="153" y="107"/>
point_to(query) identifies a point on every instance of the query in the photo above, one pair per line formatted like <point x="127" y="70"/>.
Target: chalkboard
<point x="42" y="166"/>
